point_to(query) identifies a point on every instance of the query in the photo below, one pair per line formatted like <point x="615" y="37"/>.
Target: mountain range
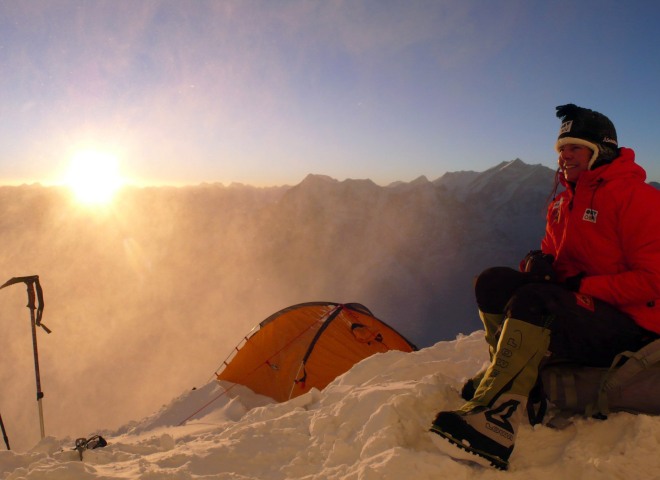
<point x="408" y="251"/>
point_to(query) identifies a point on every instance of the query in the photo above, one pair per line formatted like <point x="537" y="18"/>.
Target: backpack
<point x="630" y="384"/>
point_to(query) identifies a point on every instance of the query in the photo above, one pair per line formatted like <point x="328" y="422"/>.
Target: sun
<point x="93" y="177"/>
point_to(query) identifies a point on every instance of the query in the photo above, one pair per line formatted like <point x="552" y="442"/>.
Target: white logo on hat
<point x="566" y="127"/>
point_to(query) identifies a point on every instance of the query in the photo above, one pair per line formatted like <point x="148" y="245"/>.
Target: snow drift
<point x="370" y="423"/>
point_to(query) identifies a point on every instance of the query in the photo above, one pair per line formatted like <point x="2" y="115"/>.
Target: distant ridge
<point x="408" y="249"/>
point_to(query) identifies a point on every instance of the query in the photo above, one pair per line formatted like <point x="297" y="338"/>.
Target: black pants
<point x="583" y="329"/>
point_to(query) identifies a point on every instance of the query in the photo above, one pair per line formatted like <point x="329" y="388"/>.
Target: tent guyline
<point x="305" y="346"/>
<point x="36" y="305"/>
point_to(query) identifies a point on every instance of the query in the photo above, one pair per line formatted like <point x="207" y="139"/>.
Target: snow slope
<point x="370" y="423"/>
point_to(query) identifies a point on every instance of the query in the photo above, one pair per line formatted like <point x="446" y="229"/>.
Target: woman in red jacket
<point x="592" y="291"/>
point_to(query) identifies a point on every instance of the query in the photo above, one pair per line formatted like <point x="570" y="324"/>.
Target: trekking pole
<point x="34" y="292"/>
<point x="4" y="433"/>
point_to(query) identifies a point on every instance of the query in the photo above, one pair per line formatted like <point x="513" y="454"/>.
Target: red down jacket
<point x="608" y="227"/>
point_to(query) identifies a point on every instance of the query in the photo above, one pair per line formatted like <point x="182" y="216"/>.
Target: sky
<point x="370" y="424"/>
<point x="264" y="92"/>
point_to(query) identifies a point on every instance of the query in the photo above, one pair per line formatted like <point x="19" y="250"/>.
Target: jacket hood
<point x="622" y="167"/>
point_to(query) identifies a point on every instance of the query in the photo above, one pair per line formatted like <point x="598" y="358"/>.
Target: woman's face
<point x="573" y="160"/>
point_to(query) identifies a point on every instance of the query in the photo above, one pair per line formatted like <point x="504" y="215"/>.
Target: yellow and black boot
<point x="493" y="326"/>
<point x="485" y="427"/>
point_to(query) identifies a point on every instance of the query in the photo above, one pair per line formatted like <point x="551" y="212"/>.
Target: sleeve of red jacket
<point x="548" y="243"/>
<point x="640" y="240"/>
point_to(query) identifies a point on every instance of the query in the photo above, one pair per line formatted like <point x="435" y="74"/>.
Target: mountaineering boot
<point x="486" y="426"/>
<point x="493" y="325"/>
<point x="484" y="435"/>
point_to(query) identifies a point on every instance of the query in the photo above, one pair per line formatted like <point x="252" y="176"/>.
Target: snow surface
<point x="370" y="423"/>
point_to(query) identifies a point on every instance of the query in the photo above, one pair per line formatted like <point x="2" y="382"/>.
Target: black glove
<point x="573" y="283"/>
<point x="539" y="266"/>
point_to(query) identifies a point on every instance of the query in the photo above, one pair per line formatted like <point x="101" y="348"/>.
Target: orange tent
<point x="308" y="345"/>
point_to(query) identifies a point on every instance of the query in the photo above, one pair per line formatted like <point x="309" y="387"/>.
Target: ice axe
<point x="36" y="306"/>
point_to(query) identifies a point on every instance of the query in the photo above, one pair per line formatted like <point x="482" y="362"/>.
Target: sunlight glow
<point x="93" y="177"/>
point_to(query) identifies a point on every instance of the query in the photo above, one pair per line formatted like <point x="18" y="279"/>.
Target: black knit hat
<point x="591" y="129"/>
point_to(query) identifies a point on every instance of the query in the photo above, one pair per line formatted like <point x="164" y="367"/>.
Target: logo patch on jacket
<point x="590" y="215"/>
